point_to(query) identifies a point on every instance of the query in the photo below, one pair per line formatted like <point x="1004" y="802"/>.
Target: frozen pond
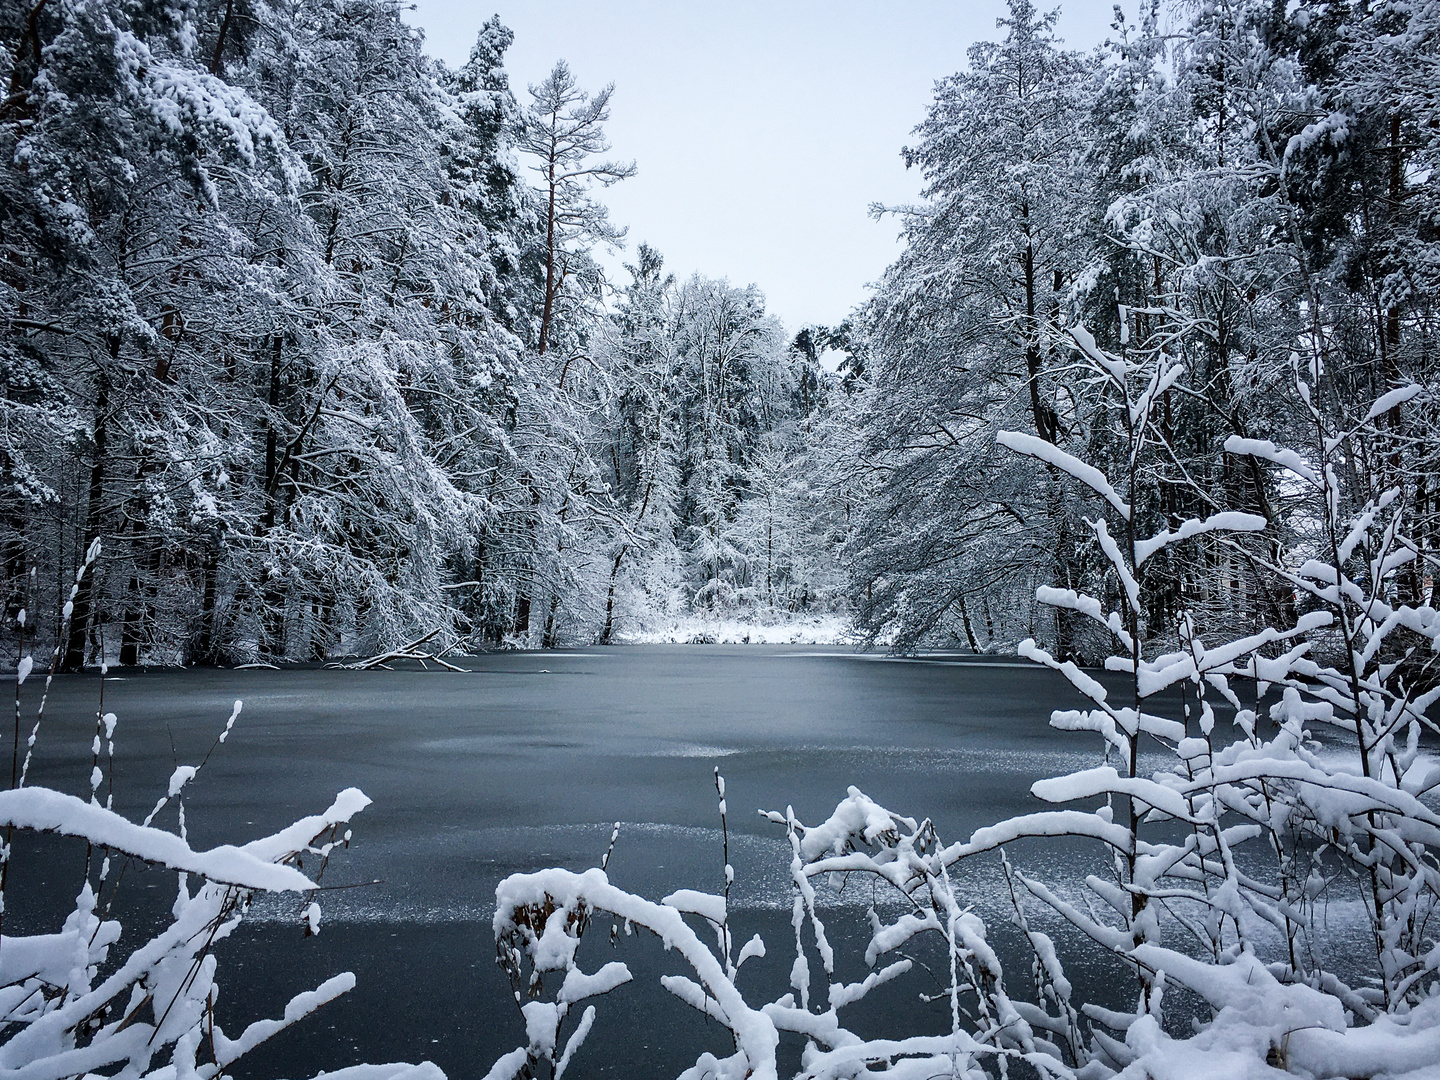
<point x="526" y="763"/>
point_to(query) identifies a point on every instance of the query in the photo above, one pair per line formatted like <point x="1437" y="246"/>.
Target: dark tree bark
<point x="80" y="617"/>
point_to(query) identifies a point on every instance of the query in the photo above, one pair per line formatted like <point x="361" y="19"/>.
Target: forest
<point x="305" y="331"/>
<point x="308" y="331"/>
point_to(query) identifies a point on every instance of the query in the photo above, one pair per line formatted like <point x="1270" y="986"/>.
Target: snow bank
<point x="700" y="630"/>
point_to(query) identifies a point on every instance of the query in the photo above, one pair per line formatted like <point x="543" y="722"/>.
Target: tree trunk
<point x="206" y="651"/>
<point x="80" y="616"/>
<point x="770" y="559"/>
<point x="610" y="597"/>
<point x="217" y="58"/>
<point x="272" y="596"/>
<point x="272" y="618"/>
<point x="130" y="628"/>
<point x="965" y="620"/>
<point x="522" y="612"/>
<point x="22" y="74"/>
<point x="551" y="630"/>
<point x="550" y="287"/>
<point x="14" y="545"/>
<point x="1064" y="577"/>
<point x="322" y="638"/>
<point x="272" y="436"/>
<point x="1042" y="414"/>
<point x="524" y="581"/>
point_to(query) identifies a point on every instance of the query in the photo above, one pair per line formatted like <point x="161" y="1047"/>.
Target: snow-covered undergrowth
<point x="81" y="1001"/>
<point x="765" y="628"/>
<point x="1214" y="870"/>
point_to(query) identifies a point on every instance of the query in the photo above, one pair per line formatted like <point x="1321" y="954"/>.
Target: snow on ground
<point x="767" y="628"/>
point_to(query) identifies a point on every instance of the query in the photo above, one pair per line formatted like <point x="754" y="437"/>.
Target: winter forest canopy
<point x="308" y="330"/>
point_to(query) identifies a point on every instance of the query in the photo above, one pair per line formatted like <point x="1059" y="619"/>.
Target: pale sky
<point x="762" y="130"/>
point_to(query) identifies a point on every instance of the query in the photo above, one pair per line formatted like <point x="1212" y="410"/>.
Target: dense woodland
<point x="1243" y="188"/>
<point x="308" y="332"/>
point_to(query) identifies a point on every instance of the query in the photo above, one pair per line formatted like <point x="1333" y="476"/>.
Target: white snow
<point x="1091" y="477"/>
<point x="738" y="630"/>
<point x="52" y="811"/>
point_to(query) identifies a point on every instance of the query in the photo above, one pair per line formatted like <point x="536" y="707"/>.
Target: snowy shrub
<point x="541" y="917"/>
<point x="1292" y="784"/>
<point x="78" y="1002"/>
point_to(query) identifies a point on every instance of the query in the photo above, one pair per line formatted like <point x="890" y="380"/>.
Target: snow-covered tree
<point x="564" y="131"/>
<point x="961" y="332"/>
